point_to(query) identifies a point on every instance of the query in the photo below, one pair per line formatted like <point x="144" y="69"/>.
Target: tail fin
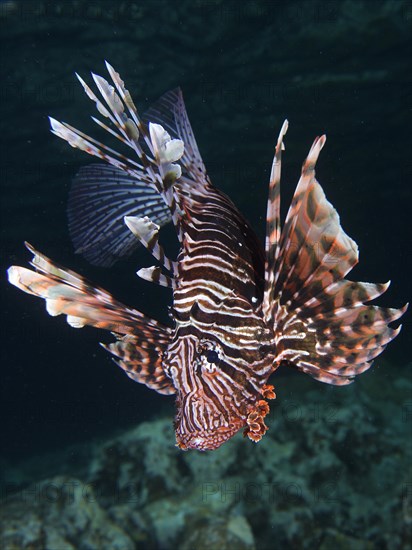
<point x="321" y="323"/>
<point x="100" y="198"/>
<point x="142" y="341"/>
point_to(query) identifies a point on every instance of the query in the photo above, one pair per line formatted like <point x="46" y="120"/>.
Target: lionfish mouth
<point x="206" y="441"/>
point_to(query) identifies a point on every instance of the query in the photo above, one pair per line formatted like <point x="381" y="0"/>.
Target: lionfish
<point x="239" y="309"/>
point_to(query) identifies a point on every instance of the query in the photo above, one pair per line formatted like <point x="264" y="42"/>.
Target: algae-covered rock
<point x="340" y="541"/>
<point x="59" y="513"/>
<point x="220" y="534"/>
<point x="117" y="466"/>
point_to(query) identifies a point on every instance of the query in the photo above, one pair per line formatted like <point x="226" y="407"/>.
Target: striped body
<point x="217" y="308"/>
<point x="239" y="309"/>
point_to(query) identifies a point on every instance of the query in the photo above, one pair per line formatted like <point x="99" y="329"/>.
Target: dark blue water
<point x="342" y="68"/>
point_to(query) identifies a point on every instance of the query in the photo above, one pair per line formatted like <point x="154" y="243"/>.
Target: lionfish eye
<point x="212" y="356"/>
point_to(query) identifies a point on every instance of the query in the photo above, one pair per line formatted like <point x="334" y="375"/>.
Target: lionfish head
<point x="208" y="411"/>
